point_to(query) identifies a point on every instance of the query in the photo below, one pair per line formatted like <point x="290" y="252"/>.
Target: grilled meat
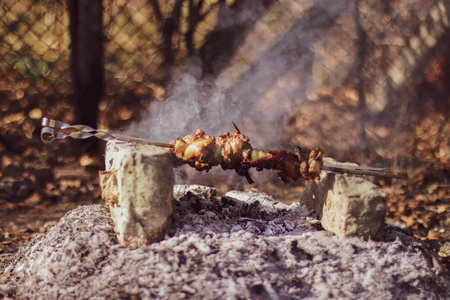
<point x="233" y="151"/>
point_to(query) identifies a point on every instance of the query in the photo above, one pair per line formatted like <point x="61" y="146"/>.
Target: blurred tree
<point x="293" y="50"/>
<point x="178" y="21"/>
<point x="234" y="23"/>
<point x="170" y="27"/>
<point x="360" y="80"/>
<point x="87" y="58"/>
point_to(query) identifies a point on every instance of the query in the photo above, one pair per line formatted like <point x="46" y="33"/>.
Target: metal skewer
<point x="50" y="133"/>
<point x="368" y="171"/>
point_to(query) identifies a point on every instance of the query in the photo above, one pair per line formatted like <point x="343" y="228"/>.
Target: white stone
<point x="180" y="190"/>
<point x="268" y="203"/>
<point x="348" y="205"/>
<point x="138" y="186"/>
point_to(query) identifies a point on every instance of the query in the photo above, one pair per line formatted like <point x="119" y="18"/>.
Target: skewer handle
<point x="50" y="132"/>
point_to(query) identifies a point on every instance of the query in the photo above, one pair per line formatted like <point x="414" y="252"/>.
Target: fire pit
<point x="137" y="183"/>
<point x="241" y="245"/>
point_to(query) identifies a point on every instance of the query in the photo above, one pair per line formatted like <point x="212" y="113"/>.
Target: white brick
<point x="138" y="186"/>
<point x="348" y="205"/>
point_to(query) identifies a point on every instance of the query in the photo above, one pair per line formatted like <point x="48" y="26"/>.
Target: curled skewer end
<point x="47" y="133"/>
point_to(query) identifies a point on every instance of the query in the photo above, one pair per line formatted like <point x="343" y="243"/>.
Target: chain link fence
<point x="35" y="48"/>
<point x="376" y="53"/>
<point x="34" y="52"/>
<point x="384" y="65"/>
<point x="132" y="46"/>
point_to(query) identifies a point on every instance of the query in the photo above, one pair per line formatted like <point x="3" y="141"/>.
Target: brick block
<point x="138" y="187"/>
<point x="348" y="205"/>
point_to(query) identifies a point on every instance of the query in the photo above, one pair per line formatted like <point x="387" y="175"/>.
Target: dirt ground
<point x="41" y="182"/>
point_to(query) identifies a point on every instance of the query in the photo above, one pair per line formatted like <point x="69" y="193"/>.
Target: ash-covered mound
<point x="220" y="248"/>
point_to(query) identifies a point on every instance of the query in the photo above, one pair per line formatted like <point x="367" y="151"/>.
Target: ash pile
<point x="244" y="245"/>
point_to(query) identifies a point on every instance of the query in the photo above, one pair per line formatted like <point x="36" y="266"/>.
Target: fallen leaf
<point x="433" y="235"/>
<point x="34" y="199"/>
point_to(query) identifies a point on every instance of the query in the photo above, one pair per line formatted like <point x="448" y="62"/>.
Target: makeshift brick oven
<point x="138" y="186"/>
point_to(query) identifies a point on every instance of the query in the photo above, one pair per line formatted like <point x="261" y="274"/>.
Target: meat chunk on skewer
<point x="234" y="151"/>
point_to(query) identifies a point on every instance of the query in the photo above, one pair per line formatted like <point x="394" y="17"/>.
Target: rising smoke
<point x="257" y="100"/>
<point x="192" y="105"/>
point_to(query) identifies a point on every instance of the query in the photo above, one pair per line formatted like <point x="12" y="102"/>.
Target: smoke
<point x="207" y="104"/>
<point x="257" y="100"/>
<point x="190" y="105"/>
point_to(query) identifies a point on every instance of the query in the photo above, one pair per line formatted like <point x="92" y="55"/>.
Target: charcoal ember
<point x="179" y="190"/>
<point x="267" y="203"/>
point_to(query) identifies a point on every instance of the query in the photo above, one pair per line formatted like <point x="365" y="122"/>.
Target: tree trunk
<point x="360" y="83"/>
<point x="233" y="25"/>
<point x="170" y="27"/>
<point x="87" y="58"/>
